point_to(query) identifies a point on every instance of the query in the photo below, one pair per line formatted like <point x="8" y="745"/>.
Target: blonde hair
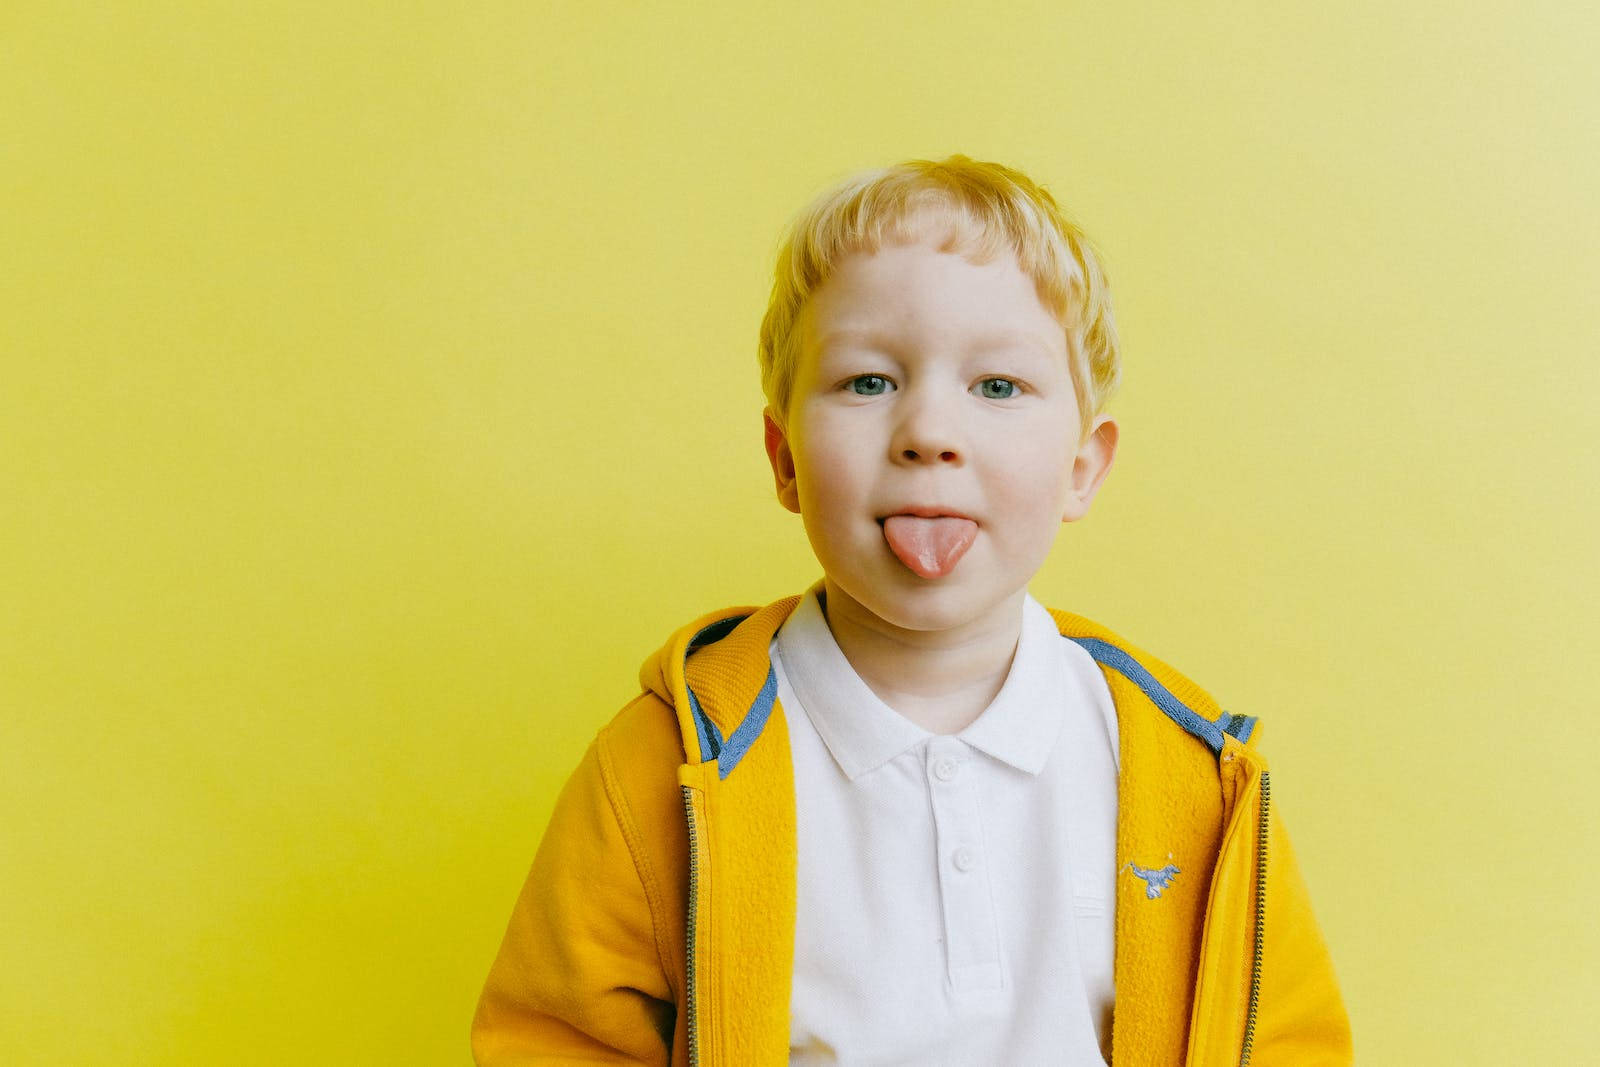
<point x="984" y="209"/>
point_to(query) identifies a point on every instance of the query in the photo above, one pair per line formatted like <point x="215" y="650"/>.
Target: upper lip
<point x="929" y="512"/>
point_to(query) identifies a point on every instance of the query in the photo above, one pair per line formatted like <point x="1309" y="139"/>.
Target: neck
<point x="942" y="680"/>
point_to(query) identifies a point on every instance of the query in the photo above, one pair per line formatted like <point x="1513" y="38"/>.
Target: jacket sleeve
<point x="579" y="977"/>
<point x="1302" y="1020"/>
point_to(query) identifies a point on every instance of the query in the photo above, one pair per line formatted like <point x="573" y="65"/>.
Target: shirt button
<point x="965" y="860"/>
<point x="945" y="769"/>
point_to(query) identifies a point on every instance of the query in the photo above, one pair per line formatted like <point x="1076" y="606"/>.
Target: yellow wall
<point x="378" y="389"/>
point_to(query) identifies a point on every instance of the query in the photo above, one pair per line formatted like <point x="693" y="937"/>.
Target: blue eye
<point x="869" y="385"/>
<point x="998" y="388"/>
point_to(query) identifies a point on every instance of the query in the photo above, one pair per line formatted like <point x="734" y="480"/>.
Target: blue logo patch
<point x="1154" y="880"/>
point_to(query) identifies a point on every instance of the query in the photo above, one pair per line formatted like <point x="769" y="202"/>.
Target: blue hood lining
<point x="713" y="746"/>
<point x="1207" y="730"/>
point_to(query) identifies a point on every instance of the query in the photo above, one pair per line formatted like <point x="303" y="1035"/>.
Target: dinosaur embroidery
<point x="1154" y="880"/>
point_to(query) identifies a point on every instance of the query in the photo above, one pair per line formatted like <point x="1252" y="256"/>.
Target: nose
<point x="928" y="432"/>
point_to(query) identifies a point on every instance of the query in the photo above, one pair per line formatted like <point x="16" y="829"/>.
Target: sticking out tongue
<point x="930" y="547"/>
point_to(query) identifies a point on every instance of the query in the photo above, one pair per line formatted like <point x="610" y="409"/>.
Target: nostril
<point x="913" y="455"/>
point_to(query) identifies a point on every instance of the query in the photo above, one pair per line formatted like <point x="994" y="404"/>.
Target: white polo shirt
<point x="956" y="896"/>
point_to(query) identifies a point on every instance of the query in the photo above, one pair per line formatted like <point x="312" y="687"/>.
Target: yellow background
<point x="379" y="389"/>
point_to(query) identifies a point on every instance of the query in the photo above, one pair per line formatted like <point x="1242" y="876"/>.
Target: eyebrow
<point x="989" y="342"/>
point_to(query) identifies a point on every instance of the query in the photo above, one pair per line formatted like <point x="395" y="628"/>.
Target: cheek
<point x="1033" y="488"/>
<point x="829" y="495"/>
<point x="828" y="486"/>
<point x="829" y="461"/>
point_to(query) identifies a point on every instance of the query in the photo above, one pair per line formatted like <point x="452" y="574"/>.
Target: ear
<point x="782" y="460"/>
<point x="1090" y="467"/>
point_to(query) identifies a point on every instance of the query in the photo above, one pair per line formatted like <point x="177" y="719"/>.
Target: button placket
<point x="972" y="934"/>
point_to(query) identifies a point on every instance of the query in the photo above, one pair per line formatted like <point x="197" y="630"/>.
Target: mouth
<point x="926" y="513"/>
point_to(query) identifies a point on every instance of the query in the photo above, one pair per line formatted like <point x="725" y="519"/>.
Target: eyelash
<point x="1016" y="387"/>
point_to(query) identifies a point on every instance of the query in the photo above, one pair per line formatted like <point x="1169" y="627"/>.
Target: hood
<point x="1183" y="701"/>
<point x="716" y="674"/>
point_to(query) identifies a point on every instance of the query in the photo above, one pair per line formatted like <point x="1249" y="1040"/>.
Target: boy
<point x="912" y="816"/>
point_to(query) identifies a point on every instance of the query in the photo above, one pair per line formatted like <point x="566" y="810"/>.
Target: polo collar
<point x="862" y="733"/>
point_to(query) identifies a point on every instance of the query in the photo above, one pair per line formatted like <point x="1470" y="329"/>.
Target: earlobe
<point x="782" y="460"/>
<point x="1090" y="467"/>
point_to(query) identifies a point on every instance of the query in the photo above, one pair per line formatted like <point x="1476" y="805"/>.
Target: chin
<point x="931" y="605"/>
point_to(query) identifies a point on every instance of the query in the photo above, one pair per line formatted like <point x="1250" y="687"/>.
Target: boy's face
<point x="932" y="445"/>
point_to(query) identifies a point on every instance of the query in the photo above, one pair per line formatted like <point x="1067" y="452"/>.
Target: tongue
<point x="930" y="547"/>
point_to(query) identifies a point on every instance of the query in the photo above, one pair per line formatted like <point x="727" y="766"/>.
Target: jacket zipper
<point x="694" y="909"/>
<point x="1261" y="922"/>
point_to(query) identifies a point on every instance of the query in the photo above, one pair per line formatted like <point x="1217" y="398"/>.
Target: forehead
<point x="920" y="292"/>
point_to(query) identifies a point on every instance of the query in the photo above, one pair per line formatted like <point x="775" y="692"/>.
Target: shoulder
<point x="641" y="746"/>
<point x="635" y="758"/>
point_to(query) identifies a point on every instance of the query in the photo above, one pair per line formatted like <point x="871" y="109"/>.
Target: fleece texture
<point x="597" y="960"/>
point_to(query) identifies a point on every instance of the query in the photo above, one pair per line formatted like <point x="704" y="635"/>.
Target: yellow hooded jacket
<point x="657" y="923"/>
